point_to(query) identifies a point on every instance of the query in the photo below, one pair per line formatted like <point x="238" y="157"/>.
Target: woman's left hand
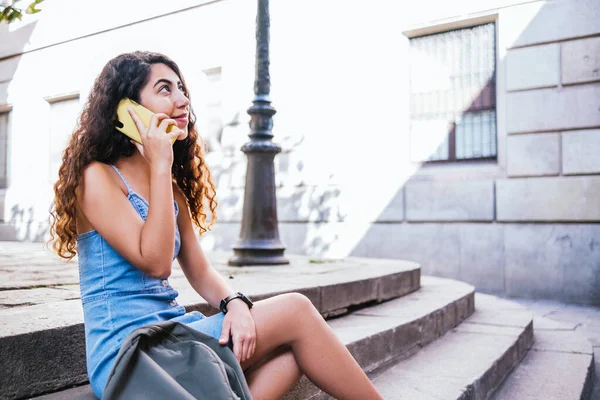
<point x="239" y="324"/>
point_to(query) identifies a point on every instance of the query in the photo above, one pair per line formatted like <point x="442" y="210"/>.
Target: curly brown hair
<point x="96" y="139"/>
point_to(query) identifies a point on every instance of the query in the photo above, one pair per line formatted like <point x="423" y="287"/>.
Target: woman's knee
<point x="285" y="310"/>
<point x="298" y="303"/>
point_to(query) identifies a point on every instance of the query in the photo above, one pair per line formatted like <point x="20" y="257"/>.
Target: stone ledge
<point x="43" y="344"/>
<point x="37" y="281"/>
<point x="468" y="362"/>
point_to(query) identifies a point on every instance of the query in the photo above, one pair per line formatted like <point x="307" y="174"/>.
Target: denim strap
<point x="129" y="190"/>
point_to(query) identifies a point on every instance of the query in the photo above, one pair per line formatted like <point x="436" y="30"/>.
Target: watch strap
<point x="238" y="295"/>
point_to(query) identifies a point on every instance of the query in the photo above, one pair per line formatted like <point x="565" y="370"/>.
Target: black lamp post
<point x="259" y="242"/>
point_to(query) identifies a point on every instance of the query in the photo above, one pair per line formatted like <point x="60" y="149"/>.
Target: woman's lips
<point x="182" y="121"/>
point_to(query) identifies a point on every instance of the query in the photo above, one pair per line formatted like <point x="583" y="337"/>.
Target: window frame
<point x="52" y="100"/>
<point x="496" y="87"/>
<point x="213" y="139"/>
<point x="4" y="180"/>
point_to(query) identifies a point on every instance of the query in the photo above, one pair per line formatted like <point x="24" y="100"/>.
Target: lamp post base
<point x="254" y="257"/>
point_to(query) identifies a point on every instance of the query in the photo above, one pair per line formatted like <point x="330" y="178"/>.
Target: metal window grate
<point x="453" y="95"/>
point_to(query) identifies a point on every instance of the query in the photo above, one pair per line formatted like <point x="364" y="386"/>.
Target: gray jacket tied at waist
<point x="169" y="360"/>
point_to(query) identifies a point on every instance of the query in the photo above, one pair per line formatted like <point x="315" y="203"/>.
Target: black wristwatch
<point x="237" y="295"/>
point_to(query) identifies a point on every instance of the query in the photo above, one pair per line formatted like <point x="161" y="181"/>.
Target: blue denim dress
<point x="118" y="298"/>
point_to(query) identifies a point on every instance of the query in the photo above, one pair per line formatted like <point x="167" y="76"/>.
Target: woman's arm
<point x="108" y="210"/>
<point x="212" y="286"/>
<point x="148" y="245"/>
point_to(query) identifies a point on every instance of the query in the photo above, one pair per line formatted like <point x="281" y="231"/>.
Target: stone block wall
<point x="527" y="226"/>
<point x="580" y="152"/>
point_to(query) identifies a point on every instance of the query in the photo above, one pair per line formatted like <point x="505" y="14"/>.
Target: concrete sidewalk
<point x="34" y="282"/>
<point x="583" y="319"/>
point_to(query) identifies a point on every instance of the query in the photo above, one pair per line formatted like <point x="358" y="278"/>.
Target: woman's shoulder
<point x="97" y="177"/>
<point x="95" y="168"/>
<point x="95" y="172"/>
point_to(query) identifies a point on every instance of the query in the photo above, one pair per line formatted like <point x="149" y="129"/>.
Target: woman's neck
<point x="136" y="164"/>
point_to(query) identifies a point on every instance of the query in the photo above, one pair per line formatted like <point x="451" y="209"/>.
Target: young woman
<point x="128" y="210"/>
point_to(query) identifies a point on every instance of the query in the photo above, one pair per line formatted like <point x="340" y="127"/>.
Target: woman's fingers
<point x="249" y="345"/>
<point x="237" y="347"/>
<point x="225" y="333"/>
<point x="138" y="123"/>
<point x="159" y="121"/>
<point x="248" y="349"/>
<point x="241" y="327"/>
<point x="252" y="349"/>
<point x="164" y="124"/>
<point x="174" y="134"/>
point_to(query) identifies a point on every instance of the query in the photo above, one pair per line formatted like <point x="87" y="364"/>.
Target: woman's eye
<point x="164" y="87"/>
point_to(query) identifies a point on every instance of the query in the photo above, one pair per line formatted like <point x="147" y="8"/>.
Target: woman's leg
<point x="292" y="320"/>
<point x="275" y="376"/>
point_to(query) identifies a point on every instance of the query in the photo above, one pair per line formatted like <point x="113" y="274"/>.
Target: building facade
<point x="461" y="135"/>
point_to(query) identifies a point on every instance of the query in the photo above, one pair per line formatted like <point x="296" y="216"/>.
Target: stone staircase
<point x="558" y="366"/>
<point x="416" y="337"/>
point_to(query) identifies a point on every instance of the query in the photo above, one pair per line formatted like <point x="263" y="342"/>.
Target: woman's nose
<point x="182" y="100"/>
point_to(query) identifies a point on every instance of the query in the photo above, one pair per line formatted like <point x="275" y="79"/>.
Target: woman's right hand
<point x="157" y="143"/>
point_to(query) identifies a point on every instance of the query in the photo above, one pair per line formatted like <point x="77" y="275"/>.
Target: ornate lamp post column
<point x="259" y="242"/>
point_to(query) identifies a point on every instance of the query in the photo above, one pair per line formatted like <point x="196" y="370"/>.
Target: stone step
<point x="382" y="334"/>
<point x="41" y="328"/>
<point x="470" y="361"/>
<point x="558" y="366"/>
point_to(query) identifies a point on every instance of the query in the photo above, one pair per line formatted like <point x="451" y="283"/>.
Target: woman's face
<point x="164" y="94"/>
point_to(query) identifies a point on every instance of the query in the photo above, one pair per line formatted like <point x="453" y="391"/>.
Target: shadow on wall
<point x="10" y="52"/>
<point x="25" y="227"/>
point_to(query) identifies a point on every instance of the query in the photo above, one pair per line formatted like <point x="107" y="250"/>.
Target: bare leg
<point x="292" y="320"/>
<point x="274" y="377"/>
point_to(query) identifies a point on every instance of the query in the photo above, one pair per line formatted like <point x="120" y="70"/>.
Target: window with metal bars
<point x="453" y="95"/>
<point x="3" y="149"/>
<point x="63" y="119"/>
<point x="214" y="108"/>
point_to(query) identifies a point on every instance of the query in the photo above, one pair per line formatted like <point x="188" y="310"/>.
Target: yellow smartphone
<point x="125" y="123"/>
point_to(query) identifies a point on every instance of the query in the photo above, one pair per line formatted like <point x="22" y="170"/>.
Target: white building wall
<point x="523" y="225"/>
